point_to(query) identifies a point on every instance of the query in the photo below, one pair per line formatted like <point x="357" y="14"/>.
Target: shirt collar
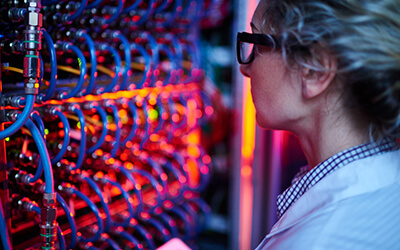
<point x="306" y="178"/>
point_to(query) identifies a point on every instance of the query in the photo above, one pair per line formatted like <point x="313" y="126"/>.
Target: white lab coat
<point x="354" y="207"/>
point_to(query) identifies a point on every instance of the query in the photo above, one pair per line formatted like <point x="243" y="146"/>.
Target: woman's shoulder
<point x="367" y="221"/>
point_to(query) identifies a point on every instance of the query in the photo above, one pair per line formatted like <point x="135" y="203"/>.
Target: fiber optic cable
<point x="130" y="238"/>
<point x="129" y="137"/>
<point x="44" y="155"/>
<point x="93" y="61"/>
<point x="131" y="7"/>
<point x="98" y="192"/>
<point x="129" y="201"/>
<point x="144" y="233"/>
<point x="117" y="12"/>
<point x="78" y="12"/>
<point x="157" y="187"/>
<point x="164" y="232"/>
<point x="82" y="144"/>
<point x="69" y="47"/>
<point x="117" y="60"/>
<point x="117" y="121"/>
<point x="101" y="139"/>
<point x="39" y="170"/>
<point x="71" y="221"/>
<point x="110" y="242"/>
<point x="66" y="139"/>
<point x="172" y="227"/>
<point x="127" y="52"/>
<point x="141" y="19"/>
<point x="21" y="118"/>
<point x="53" y="67"/>
<point x="93" y="4"/>
<point x="147" y="62"/>
<point x="171" y="72"/>
<point x="189" y="230"/>
<point x="69" y="190"/>
<point x="137" y="191"/>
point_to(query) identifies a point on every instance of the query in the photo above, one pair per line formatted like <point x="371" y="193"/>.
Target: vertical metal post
<point x="241" y="189"/>
<point x="4" y="193"/>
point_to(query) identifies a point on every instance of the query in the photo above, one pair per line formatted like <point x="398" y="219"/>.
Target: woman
<point x="329" y="72"/>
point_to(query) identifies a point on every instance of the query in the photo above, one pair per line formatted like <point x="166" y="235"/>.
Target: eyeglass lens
<point x="246" y="51"/>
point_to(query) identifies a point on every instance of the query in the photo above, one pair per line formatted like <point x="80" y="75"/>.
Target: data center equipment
<point x="101" y="108"/>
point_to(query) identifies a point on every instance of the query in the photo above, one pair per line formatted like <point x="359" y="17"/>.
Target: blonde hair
<point x="363" y="35"/>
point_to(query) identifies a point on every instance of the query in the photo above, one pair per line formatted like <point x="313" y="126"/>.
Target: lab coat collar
<point x="356" y="178"/>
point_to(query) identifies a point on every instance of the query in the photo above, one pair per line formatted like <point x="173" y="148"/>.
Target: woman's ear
<point x="314" y="82"/>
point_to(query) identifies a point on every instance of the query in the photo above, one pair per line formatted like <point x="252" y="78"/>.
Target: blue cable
<point x="172" y="62"/>
<point x="39" y="170"/>
<point x="82" y="145"/>
<point x="21" y="119"/>
<point x="179" y="178"/>
<point x="93" y="67"/>
<point x="129" y="137"/>
<point x="144" y="233"/>
<point x="130" y="238"/>
<point x="82" y="67"/>
<point x="60" y="236"/>
<point x="44" y="155"/>
<point x="160" y="193"/>
<point x="112" y="243"/>
<point x="96" y="212"/>
<point x="154" y="54"/>
<point x="53" y="66"/>
<point x="162" y="6"/>
<point x="93" y="4"/>
<point x="100" y="141"/>
<point x="49" y="2"/>
<point x="193" y="214"/>
<point x="131" y="7"/>
<point x="71" y="220"/>
<point x="97" y="190"/>
<point x="39" y="122"/>
<point x="138" y="193"/>
<point x="205" y="208"/>
<point x="189" y="230"/>
<point x="120" y="6"/>
<point x="41" y="70"/>
<point x="161" y="228"/>
<point x="161" y="110"/>
<point x="117" y="121"/>
<point x="5" y="238"/>
<point x="78" y="12"/>
<point x="147" y="125"/>
<point x="205" y="176"/>
<point x="176" y="10"/>
<point x="178" y="51"/>
<point x="61" y="239"/>
<point x="157" y="168"/>
<point x="147" y="63"/>
<point x="66" y="140"/>
<point x="128" y="200"/>
<point x="147" y="14"/>
<point x="170" y="223"/>
<point x="117" y="60"/>
<point x="127" y="52"/>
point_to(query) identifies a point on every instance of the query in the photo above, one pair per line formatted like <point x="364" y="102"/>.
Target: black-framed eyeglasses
<point x="245" y="45"/>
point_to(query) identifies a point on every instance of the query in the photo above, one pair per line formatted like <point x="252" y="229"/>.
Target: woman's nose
<point x="245" y="69"/>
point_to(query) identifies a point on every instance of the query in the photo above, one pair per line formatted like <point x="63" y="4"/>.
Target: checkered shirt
<point x="307" y="178"/>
